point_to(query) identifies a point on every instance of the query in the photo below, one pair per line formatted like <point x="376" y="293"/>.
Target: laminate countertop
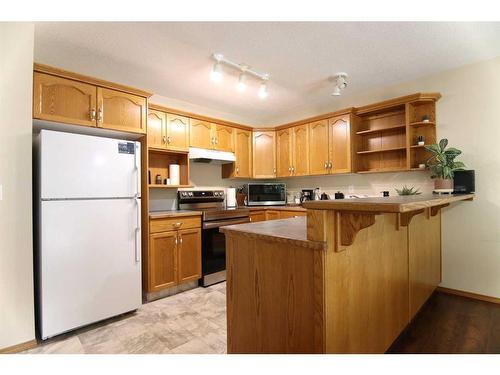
<point x="173" y="213"/>
<point x="388" y="204"/>
<point x="294" y="207"/>
<point x="292" y="231"/>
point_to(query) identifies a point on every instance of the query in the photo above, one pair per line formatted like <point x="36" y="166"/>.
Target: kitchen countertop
<point x="294" y="207"/>
<point x="293" y="231"/>
<point x="173" y="213"/>
<point x="388" y="204"/>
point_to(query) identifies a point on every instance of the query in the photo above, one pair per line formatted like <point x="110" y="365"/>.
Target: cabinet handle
<point x="274" y="170"/>
<point x="176" y="240"/>
<point x="216" y="140"/>
<point x="180" y="239"/>
<point x="237" y="170"/>
<point x="290" y="169"/>
<point x="169" y="140"/>
<point x="164" y="139"/>
<point x="92" y="114"/>
<point x="326" y="165"/>
<point x="177" y="225"/>
<point x="293" y="169"/>
<point x="100" y="114"/>
<point x="330" y="165"/>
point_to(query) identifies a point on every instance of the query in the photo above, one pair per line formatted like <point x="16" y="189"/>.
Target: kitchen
<point x="150" y="213"/>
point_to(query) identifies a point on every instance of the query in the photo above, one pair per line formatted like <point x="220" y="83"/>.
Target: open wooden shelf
<point x="381" y="130"/>
<point x="422" y="123"/>
<point x="381" y="170"/>
<point x="418" y="146"/>
<point x="159" y="163"/>
<point x="418" y="169"/>
<point x="381" y="150"/>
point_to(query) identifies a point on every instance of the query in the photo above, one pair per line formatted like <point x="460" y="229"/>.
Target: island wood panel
<point x="121" y="111"/>
<point x="177" y="132"/>
<point x="424" y="240"/>
<point x="339" y="144"/>
<point x="318" y="147"/>
<point x="264" y="154"/>
<point x="284" y="153"/>
<point x="274" y="298"/>
<point x="366" y="287"/>
<point x="64" y="100"/>
<point x="200" y="134"/>
<point x="189" y="255"/>
<point x="156" y="129"/>
<point x="300" y="150"/>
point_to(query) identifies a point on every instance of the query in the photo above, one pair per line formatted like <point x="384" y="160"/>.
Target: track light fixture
<point x="340" y="80"/>
<point x="245" y="71"/>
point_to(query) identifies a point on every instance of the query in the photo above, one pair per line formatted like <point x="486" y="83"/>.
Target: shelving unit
<point x="159" y="163"/>
<point x="386" y="133"/>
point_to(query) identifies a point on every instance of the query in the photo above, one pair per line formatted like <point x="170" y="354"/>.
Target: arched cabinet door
<point x="200" y="134"/>
<point x="300" y="150"/>
<point x="224" y="138"/>
<point x="63" y="100"/>
<point x="284" y="153"/>
<point x="339" y="147"/>
<point x="243" y="153"/>
<point x="318" y="147"/>
<point x="157" y="137"/>
<point x="121" y="111"/>
<point x="264" y="154"/>
<point x="177" y="132"/>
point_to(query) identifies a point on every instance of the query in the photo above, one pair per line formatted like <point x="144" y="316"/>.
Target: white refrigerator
<point x="89" y="230"/>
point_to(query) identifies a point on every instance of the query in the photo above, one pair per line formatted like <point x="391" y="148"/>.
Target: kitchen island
<point x="348" y="278"/>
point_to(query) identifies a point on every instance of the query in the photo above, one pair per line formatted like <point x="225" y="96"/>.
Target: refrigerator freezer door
<point x="83" y="166"/>
<point x="90" y="266"/>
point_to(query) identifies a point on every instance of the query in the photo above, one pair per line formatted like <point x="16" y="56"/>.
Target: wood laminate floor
<point x="452" y="324"/>
<point x="195" y="322"/>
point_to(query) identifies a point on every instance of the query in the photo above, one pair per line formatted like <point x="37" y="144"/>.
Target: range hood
<point x="202" y="155"/>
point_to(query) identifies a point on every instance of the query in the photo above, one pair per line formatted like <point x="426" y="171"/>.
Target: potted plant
<point x="405" y="190"/>
<point x="442" y="164"/>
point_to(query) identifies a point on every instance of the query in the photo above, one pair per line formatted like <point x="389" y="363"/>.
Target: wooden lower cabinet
<point x="256" y="216"/>
<point x="163" y="260"/>
<point x="270" y="214"/>
<point x="174" y="255"/>
<point x="189" y="255"/>
<point x="290" y="214"/>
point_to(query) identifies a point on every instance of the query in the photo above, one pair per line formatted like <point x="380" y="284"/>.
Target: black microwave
<point x="266" y="194"/>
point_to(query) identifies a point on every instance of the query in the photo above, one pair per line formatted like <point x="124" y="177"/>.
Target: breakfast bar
<point x="348" y="278"/>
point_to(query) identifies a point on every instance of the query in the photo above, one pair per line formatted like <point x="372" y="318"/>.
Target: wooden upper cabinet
<point x="339" y="144"/>
<point x="177" y="132"/>
<point x="318" y="147"/>
<point x="300" y="150"/>
<point x="63" y="100"/>
<point x="157" y="129"/>
<point x="200" y="134"/>
<point x="223" y="137"/>
<point x="121" y="111"/>
<point x="189" y="255"/>
<point x="264" y="154"/>
<point x="243" y="153"/>
<point x="162" y="260"/>
<point x="284" y="153"/>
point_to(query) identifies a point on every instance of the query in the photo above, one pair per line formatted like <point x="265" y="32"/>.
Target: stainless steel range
<point x="215" y="215"/>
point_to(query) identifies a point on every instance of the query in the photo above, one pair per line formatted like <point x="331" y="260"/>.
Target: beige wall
<point x="16" y="247"/>
<point x="468" y="115"/>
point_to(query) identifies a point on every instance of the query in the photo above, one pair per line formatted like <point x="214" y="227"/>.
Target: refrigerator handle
<point x="136" y="168"/>
<point x="138" y="231"/>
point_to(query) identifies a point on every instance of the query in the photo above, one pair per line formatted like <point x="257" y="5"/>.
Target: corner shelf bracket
<point x="348" y="224"/>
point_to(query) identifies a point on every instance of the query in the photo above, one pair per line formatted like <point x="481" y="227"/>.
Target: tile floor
<point x="190" y="322"/>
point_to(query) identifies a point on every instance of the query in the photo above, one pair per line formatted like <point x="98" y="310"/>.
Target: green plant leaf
<point x="458" y="165"/>
<point x="443" y="143"/>
<point x="434" y="148"/>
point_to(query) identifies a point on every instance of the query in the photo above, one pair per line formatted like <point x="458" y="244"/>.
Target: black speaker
<point x="464" y="182"/>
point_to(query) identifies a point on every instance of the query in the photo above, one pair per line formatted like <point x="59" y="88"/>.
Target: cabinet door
<point x="200" y="134"/>
<point x="121" y="111"/>
<point x="284" y="153"/>
<point x="189" y="255"/>
<point x="243" y="153"/>
<point x="162" y="260"/>
<point x="272" y="215"/>
<point x="177" y="133"/>
<point x="290" y="214"/>
<point x="63" y="100"/>
<point x="224" y="138"/>
<point x="157" y="129"/>
<point x="300" y="150"/>
<point x="256" y="216"/>
<point x="318" y="147"/>
<point x="339" y="144"/>
<point x="264" y="154"/>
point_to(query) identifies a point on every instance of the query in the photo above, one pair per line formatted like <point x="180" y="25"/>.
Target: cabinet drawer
<point x="174" y="223"/>
<point x="289" y="214"/>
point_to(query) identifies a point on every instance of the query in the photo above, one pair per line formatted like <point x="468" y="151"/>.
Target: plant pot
<point x="442" y="185"/>
<point x="240" y="199"/>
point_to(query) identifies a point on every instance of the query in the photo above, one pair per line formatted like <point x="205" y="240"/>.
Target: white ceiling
<point x="173" y="59"/>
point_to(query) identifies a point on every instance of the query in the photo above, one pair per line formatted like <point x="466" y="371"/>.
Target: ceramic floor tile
<point x="195" y="346"/>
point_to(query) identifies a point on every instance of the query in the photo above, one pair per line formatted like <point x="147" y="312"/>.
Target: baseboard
<point x="19" y="347"/>
<point x="462" y="293"/>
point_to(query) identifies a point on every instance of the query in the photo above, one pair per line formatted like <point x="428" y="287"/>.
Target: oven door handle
<point x="221" y="223"/>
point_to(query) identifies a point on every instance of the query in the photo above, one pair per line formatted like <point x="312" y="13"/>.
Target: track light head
<point x="241" y="85"/>
<point x="216" y="73"/>
<point x="263" y="93"/>
<point x="340" y="83"/>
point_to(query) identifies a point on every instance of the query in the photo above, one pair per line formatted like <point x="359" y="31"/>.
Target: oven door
<point x="213" y="253"/>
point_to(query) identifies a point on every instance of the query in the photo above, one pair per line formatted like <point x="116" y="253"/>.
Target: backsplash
<point x="208" y="176"/>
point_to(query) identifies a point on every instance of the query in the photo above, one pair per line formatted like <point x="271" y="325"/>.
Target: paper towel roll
<point x="174" y="174"/>
<point x="231" y="197"/>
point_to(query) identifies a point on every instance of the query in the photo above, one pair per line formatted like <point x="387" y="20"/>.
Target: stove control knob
<point x="216" y="193"/>
<point x="221" y="193"/>
<point x="184" y="194"/>
<point x="190" y="193"/>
